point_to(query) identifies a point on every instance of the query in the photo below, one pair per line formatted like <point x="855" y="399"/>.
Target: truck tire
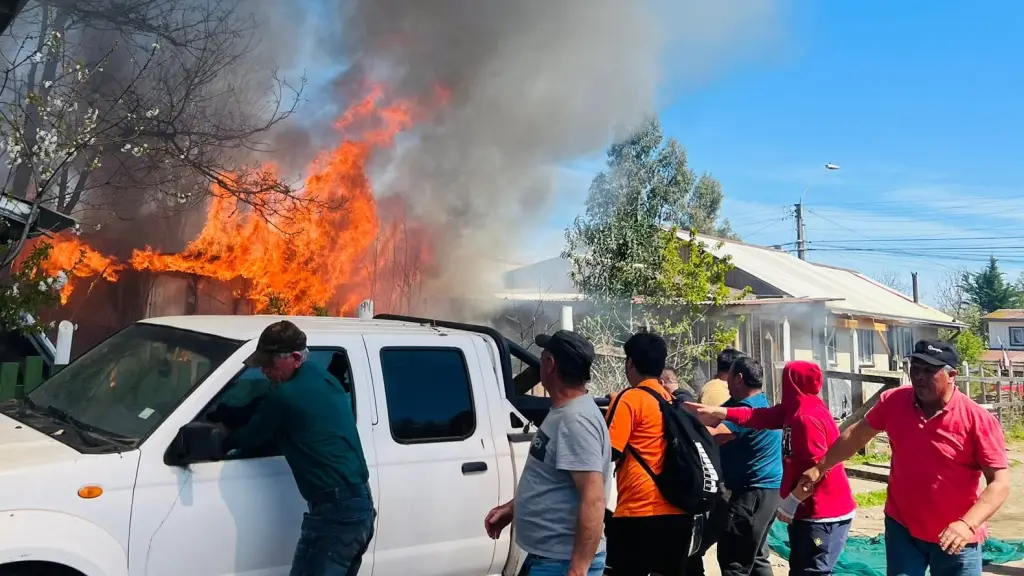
<point x="37" y="569"/>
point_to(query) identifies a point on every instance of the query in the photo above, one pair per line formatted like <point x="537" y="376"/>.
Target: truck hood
<point x="22" y="446"/>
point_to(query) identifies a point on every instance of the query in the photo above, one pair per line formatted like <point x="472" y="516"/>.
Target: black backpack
<point x="691" y="475"/>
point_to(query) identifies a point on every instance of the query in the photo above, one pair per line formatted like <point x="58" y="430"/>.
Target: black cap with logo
<point x="936" y="353"/>
<point x="279" y="338"/>
<point x="573" y="353"/>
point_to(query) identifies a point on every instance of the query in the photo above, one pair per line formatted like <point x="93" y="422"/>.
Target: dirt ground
<point x="1007" y="524"/>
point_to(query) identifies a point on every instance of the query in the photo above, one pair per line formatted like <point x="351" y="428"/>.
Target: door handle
<point x="471" y="467"/>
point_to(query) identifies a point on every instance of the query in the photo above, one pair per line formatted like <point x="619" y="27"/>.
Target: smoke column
<point x="533" y="83"/>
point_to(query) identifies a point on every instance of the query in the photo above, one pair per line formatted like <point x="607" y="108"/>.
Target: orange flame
<point x="324" y="250"/>
<point x="69" y="253"/>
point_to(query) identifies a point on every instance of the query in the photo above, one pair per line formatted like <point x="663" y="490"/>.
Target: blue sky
<point x="921" y="104"/>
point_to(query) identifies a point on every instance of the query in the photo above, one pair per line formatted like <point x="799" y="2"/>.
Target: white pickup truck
<point x="105" y="468"/>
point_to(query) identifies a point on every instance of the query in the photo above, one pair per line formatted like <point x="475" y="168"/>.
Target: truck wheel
<point x="37" y="569"/>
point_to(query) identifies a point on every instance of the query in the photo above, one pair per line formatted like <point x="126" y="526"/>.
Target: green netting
<point x="865" y="556"/>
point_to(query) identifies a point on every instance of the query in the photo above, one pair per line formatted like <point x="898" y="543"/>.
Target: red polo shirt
<point x="937" y="462"/>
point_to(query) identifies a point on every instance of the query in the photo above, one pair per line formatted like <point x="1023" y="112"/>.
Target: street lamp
<point x="801" y="243"/>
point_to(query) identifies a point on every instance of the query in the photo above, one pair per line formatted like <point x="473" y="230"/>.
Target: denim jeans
<point x="815" y="546"/>
<point x="909" y="556"/>
<point x="538" y="566"/>
<point x="336" y="532"/>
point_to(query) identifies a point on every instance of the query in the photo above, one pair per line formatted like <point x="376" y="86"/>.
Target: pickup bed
<point x="103" y="471"/>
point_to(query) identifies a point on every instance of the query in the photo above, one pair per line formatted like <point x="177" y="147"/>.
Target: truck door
<point x="436" y="457"/>
<point x="238" y="516"/>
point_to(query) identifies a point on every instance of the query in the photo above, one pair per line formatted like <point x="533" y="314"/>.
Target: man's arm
<point x="853" y="439"/>
<point x="990" y="451"/>
<point x="991" y="499"/>
<point x="589" y="521"/>
<point x="262" y="428"/>
<point x="772" y="418"/>
<point x="722" y="433"/>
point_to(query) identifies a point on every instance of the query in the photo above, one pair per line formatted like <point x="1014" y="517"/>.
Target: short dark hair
<point x="648" y="351"/>
<point x="726" y="358"/>
<point x="750" y="369"/>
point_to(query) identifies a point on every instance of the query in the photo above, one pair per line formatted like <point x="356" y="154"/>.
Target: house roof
<point x="1015" y="356"/>
<point x="1005" y="314"/>
<point x="847" y="291"/>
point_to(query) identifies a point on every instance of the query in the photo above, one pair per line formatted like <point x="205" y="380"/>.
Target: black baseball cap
<point x="936" y="353"/>
<point x="573" y="353"/>
<point x="279" y="338"/>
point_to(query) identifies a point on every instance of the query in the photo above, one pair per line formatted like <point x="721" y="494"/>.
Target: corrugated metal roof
<point x="1005" y="314"/>
<point x="851" y="292"/>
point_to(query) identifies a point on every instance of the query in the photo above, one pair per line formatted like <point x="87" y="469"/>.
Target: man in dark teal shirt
<point x="308" y="415"/>
<point x="752" y="473"/>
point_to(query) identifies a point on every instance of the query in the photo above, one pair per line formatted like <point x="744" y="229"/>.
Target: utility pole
<point x="801" y="240"/>
<point x="801" y="245"/>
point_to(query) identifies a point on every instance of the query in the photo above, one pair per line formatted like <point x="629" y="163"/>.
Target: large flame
<point x="321" y="252"/>
<point x="68" y="252"/>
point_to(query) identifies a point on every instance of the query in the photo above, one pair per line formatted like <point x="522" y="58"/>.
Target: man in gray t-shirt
<point x="559" y="504"/>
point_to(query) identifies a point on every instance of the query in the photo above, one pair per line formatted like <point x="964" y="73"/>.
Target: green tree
<point x="627" y="255"/>
<point x="648" y="175"/>
<point x="989" y="290"/>
<point x="969" y="345"/>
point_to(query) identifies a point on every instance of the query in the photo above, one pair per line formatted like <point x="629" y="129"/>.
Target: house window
<point x="866" y="346"/>
<point x="428" y="394"/>
<point x="901" y="345"/>
<point x="1017" y="336"/>
<point x="831" y="353"/>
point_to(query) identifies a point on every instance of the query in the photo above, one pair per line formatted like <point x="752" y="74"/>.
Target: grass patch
<point x="1015" y="433"/>
<point x="869" y="458"/>
<point x="871" y="499"/>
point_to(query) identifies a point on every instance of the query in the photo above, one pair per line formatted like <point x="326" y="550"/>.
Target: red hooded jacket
<point x="808" y="431"/>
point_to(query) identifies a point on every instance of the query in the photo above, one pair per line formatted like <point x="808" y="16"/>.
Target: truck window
<point x="128" y="384"/>
<point x="237" y="402"/>
<point x="428" y="394"/>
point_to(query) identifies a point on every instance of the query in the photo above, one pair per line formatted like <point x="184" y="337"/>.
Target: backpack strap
<point x="636" y="455"/>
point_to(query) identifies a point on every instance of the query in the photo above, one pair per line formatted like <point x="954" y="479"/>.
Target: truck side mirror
<point x="196" y="442"/>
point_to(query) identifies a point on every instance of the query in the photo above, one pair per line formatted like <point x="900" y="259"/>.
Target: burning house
<point x="320" y="250"/>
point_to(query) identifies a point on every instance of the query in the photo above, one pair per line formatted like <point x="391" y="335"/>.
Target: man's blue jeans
<point x="909" y="556"/>
<point x="336" y="532"/>
<point x="538" y="566"/>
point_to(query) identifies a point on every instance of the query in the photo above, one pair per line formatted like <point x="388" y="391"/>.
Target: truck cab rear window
<point x="428" y="394"/>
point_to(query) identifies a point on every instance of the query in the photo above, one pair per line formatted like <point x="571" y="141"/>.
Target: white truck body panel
<point x="242" y="517"/>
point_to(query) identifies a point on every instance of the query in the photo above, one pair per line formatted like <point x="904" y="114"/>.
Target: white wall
<point x="998" y="330"/>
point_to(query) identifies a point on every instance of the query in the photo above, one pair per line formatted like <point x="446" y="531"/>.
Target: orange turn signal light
<point x="89" y="492"/>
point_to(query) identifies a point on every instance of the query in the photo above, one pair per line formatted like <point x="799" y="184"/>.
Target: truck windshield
<point x="126" y="386"/>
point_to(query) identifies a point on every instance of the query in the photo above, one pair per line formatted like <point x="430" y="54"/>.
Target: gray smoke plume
<point x="533" y="83"/>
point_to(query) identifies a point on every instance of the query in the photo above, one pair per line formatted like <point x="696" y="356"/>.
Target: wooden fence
<point x="20" y="378"/>
<point x="1001" y="394"/>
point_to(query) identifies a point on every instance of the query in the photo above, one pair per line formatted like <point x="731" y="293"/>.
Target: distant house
<point x="1005" y="329"/>
<point x="797" y="310"/>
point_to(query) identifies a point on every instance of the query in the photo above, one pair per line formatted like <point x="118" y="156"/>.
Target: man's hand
<point x="497" y="519"/>
<point x="710" y="416"/>
<point x="955" y="537"/>
<point x="808" y="480"/>
<point x="782" y="517"/>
